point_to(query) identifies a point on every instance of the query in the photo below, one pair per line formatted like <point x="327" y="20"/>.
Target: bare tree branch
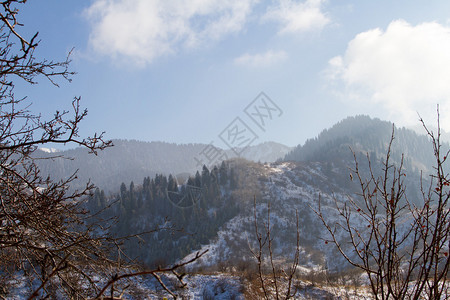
<point x="399" y="263"/>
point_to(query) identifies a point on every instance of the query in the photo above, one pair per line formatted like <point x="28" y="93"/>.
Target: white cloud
<point x="297" y="16"/>
<point x="146" y="29"/>
<point x="405" y="70"/>
<point x="266" y="59"/>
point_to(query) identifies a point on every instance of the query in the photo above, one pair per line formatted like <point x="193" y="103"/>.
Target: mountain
<point x="319" y="168"/>
<point x="370" y="136"/>
<point x="133" y="160"/>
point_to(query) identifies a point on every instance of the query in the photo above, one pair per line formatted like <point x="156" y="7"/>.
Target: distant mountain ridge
<point x="131" y="160"/>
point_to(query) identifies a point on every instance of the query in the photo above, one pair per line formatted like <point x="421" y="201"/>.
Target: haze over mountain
<point x="131" y="160"/>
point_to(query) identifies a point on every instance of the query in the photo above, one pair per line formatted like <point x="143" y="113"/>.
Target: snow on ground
<point x="199" y="286"/>
<point x="223" y="286"/>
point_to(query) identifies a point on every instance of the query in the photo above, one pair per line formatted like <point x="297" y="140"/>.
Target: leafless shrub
<point x="401" y="247"/>
<point x="274" y="281"/>
<point x="45" y="231"/>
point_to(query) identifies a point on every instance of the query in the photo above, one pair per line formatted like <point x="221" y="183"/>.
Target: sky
<point x="193" y="71"/>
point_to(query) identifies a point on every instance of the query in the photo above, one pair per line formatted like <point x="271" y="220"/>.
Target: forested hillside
<point x="188" y="214"/>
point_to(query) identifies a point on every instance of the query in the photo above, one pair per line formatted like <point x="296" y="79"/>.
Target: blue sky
<point x="182" y="71"/>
